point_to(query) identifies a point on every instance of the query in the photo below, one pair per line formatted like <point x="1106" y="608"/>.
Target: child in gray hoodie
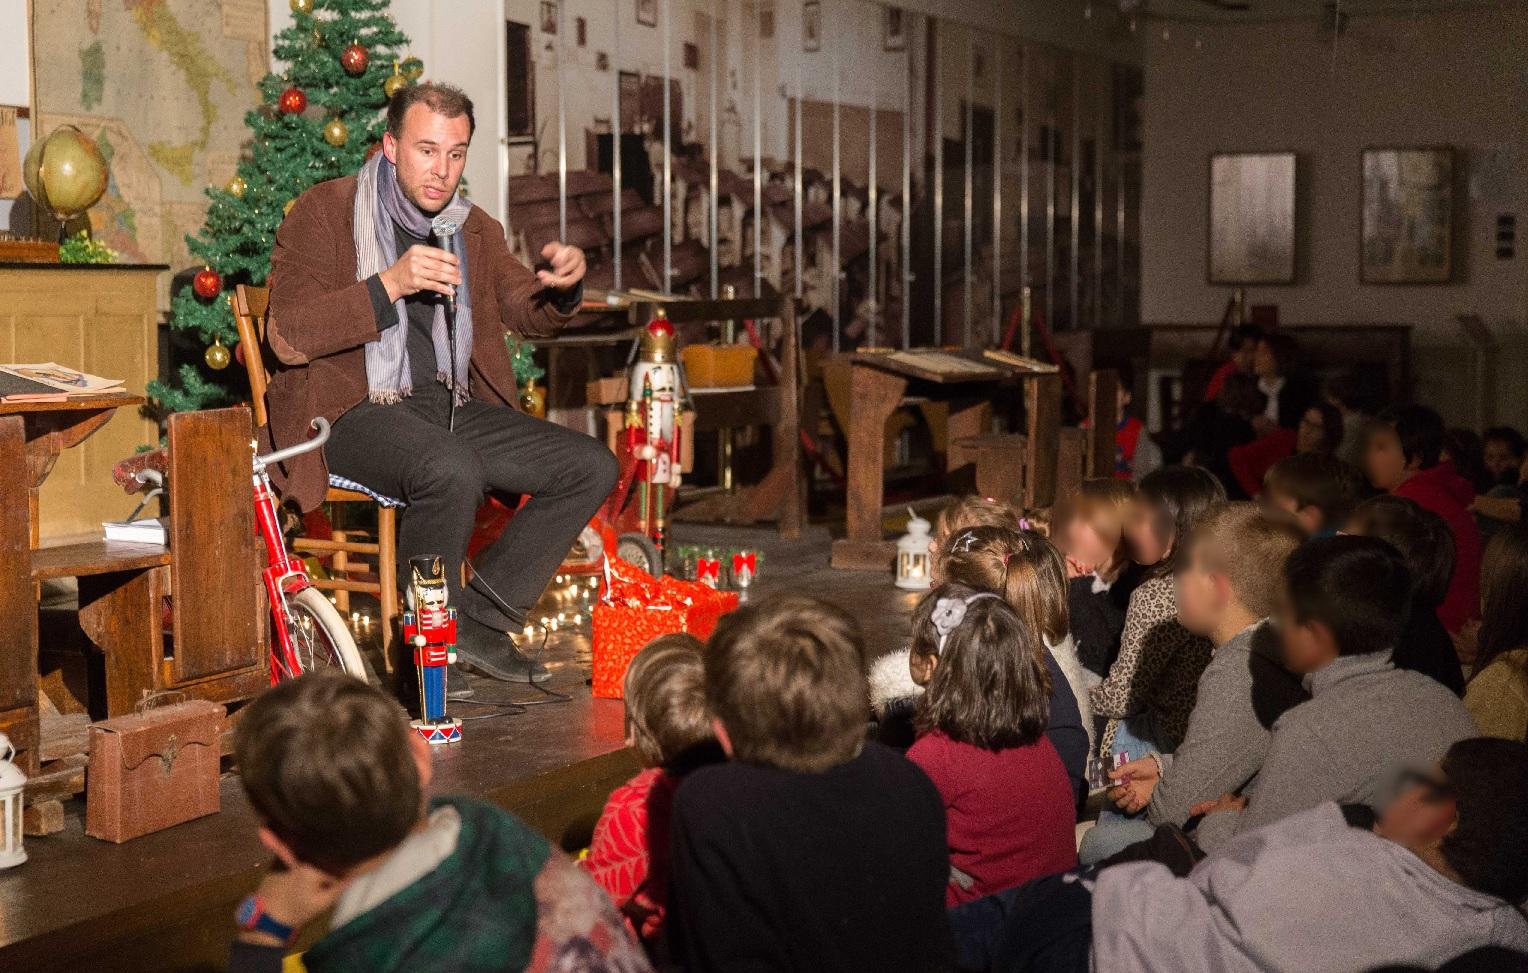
<point x="1345" y="602"/>
<point x="1319" y="891"/>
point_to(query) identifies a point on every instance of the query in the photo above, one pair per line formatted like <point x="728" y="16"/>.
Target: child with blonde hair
<point x="667" y="723"/>
<point x="1101" y="574"/>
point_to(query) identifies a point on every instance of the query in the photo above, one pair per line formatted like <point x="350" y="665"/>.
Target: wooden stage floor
<point x="164" y="901"/>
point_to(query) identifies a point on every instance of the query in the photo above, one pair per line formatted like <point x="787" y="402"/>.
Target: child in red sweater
<point x="1008" y="803"/>
<point x="668" y="724"/>
<point x="1403" y="456"/>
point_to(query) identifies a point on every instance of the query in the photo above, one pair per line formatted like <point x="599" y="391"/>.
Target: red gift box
<point x="637" y="608"/>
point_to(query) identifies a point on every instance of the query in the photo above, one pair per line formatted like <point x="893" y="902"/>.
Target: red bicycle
<point x="307" y="631"/>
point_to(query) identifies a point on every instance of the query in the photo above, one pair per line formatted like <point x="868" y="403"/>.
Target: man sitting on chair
<point x="358" y="317"/>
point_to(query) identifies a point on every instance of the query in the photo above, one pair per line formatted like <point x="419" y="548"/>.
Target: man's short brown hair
<point x="1248" y="547"/>
<point x="326" y="762"/>
<point x="665" y="690"/>
<point x="785" y="676"/>
<point x="438" y="96"/>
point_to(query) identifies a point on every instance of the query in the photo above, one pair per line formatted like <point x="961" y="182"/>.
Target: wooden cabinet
<point x="101" y="320"/>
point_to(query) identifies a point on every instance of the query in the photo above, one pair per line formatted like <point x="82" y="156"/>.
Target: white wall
<point x="15" y="80"/>
<point x="1449" y="77"/>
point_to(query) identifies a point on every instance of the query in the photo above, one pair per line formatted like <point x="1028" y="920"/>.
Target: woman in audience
<point x="1320" y="430"/>
<point x="1009" y="807"/>
<point x="1506" y="469"/>
<point x="1428" y="549"/>
<point x="1149" y="691"/>
<point x="1277" y="366"/>
<point x="1505" y="449"/>
<point x="1497" y="696"/>
<point x="1100" y="572"/>
<point x="1404" y="456"/>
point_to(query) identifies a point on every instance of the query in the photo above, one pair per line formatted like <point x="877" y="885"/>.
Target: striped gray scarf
<point x="380" y="203"/>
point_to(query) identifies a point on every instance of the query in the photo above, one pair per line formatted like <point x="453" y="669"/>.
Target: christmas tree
<point x="344" y="60"/>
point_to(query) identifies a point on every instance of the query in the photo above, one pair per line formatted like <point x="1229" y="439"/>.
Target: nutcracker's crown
<point x="658" y="339"/>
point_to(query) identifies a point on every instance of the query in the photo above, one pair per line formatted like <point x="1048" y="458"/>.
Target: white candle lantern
<point x="913" y="555"/>
<point x="12" y="782"/>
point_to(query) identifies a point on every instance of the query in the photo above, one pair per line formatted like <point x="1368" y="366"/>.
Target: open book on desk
<point x="50" y="382"/>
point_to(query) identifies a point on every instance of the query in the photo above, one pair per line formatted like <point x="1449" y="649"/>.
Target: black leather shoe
<point x="458" y="686"/>
<point x="483" y="651"/>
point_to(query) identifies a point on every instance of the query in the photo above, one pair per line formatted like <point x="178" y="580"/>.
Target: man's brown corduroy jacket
<point x="321" y="319"/>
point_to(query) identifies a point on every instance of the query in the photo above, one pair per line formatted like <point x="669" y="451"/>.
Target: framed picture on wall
<point x="548" y="17"/>
<point x="893" y="29"/>
<point x="1407" y="219"/>
<point x="647" y="13"/>
<point x="1252" y="218"/>
<point x="520" y="83"/>
<point x="811" y="25"/>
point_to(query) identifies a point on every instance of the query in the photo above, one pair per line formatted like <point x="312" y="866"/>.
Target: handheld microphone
<point x="444" y="228"/>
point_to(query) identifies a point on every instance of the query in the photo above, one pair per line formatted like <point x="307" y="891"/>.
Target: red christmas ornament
<point x="292" y="101"/>
<point x="207" y="283"/>
<point x="354" y="60"/>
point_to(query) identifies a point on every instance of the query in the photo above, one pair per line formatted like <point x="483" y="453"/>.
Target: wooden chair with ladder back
<point x="250" y="309"/>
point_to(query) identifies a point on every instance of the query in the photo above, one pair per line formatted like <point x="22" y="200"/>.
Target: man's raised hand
<point x="567" y="266"/>
<point x="422" y="268"/>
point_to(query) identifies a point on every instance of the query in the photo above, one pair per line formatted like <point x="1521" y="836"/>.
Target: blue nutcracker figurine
<point x="430" y="628"/>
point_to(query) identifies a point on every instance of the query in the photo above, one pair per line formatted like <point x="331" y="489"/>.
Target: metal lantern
<point x="12" y="782"/>
<point x="913" y="558"/>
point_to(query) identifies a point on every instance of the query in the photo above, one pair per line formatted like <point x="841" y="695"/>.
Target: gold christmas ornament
<point x="336" y="133"/>
<point x="413" y="69"/>
<point x="302" y="6"/>
<point x="236" y="186"/>
<point x="217" y="355"/>
<point x="395" y="82"/>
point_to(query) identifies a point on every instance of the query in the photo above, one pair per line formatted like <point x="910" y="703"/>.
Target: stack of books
<point x="51" y="382"/>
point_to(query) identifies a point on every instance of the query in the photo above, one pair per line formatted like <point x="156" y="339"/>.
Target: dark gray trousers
<point x="406" y="451"/>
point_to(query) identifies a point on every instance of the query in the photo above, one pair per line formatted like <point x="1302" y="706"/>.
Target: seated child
<point x="1010" y="810"/>
<point x="1403" y="456"/>
<point x="1149" y="690"/>
<point x="1428" y="550"/>
<point x="1227" y="582"/>
<point x="812" y="850"/>
<point x="667" y="723"/>
<point x="1345" y="601"/>
<point x="1318" y="490"/>
<point x="1100" y="572"/>
<point x="972" y="511"/>
<point x="340" y="786"/>
<point x="1025" y="570"/>
<point x="1497" y="695"/>
<point x="1437" y="876"/>
<point x="894" y="687"/>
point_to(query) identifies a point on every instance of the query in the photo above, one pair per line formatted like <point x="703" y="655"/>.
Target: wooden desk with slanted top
<point x="52" y="427"/>
<point x="878" y="381"/>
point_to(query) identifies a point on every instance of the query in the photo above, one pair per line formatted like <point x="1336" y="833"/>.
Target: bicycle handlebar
<point x="317" y="442"/>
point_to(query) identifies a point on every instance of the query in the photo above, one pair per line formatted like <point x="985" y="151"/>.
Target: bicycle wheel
<point x="320" y="637"/>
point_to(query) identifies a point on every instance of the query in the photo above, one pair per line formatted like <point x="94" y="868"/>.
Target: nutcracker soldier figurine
<point x="430" y="628"/>
<point x="654" y="399"/>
